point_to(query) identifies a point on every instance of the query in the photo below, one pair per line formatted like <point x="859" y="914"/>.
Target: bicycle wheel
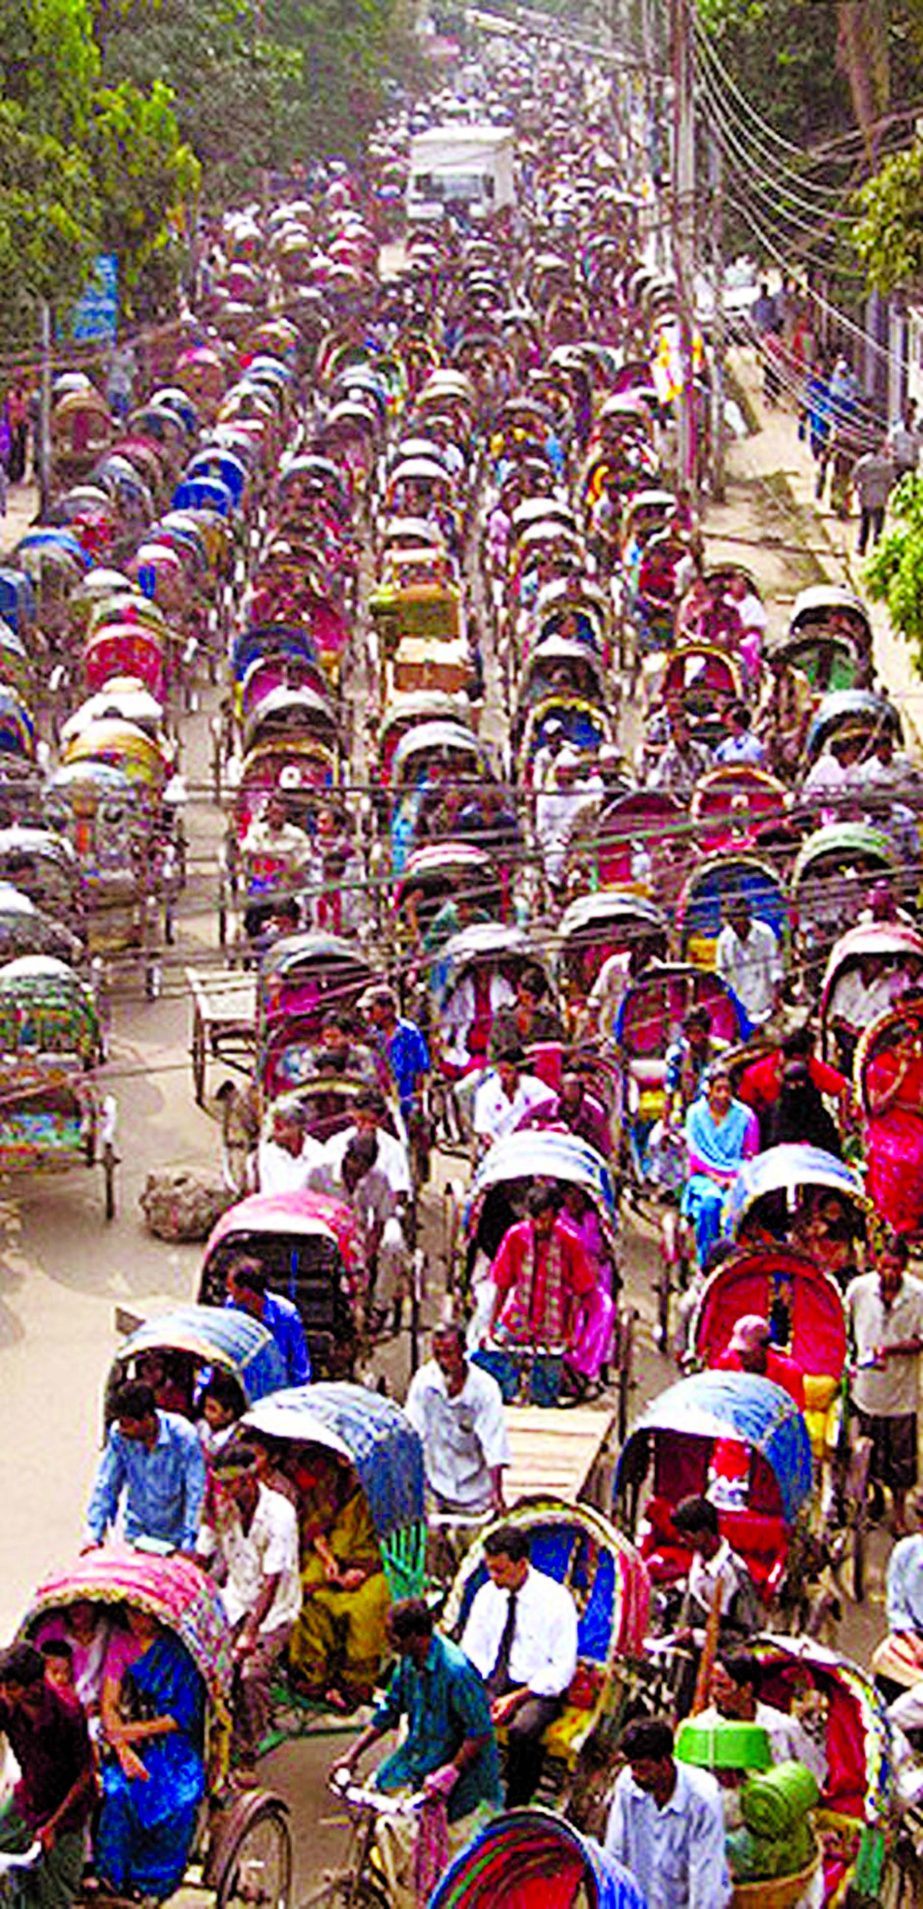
<point x="253" y="1864"/>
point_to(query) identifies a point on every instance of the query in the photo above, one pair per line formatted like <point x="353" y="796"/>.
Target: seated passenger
<point x="575" y="1108"/>
<point x="521" y="1635"/>
<point x="532" y="1020"/>
<point x="750" y="1349"/>
<point x="339" y="1639"/>
<point x="734" y="1696"/>
<point x="506" y="1097"/>
<point x="154" y="1779"/>
<point x="721" y="1133"/>
<point x="252" y="1533"/>
<point x="539" y="1276"/>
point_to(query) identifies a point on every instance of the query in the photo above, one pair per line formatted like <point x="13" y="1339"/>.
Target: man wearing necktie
<point x="521" y="1635"/>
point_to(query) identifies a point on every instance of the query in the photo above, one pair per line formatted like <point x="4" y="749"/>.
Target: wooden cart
<point x="223" y="1023"/>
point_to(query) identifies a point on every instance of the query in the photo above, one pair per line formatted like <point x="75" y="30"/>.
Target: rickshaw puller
<point x="155" y="1459"/>
<point x="449" y="1749"/>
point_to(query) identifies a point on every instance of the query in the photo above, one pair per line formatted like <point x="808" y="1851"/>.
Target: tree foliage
<point x="894" y="572"/>
<point x="888" y="235"/>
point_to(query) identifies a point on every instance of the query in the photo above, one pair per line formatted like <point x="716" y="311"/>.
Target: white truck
<point x="467" y="166"/>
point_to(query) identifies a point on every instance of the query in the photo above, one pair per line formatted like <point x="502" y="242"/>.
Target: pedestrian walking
<point x="904" y="444"/>
<point x="872" y="481"/>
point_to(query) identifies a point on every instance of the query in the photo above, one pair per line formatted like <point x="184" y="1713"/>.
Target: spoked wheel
<point x="252" y="1863"/>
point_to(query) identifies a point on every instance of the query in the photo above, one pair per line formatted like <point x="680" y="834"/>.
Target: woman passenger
<point x="154" y="1779"/>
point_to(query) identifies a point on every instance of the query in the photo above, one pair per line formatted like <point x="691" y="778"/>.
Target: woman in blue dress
<point x="154" y="1776"/>
<point x="720" y="1134"/>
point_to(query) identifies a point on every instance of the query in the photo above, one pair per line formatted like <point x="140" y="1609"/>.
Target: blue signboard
<point x="95" y="317"/>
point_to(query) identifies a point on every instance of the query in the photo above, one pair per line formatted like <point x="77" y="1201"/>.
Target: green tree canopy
<point x="894" y="572"/>
<point x="888" y="235"/>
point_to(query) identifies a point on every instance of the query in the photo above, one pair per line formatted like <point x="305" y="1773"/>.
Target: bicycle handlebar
<point x="361" y="1797"/>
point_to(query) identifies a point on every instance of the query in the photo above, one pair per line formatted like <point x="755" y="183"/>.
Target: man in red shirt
<point x="761" y="1082"/>
<point x="749" y="1349"/>
<point x="541" y="1270"/>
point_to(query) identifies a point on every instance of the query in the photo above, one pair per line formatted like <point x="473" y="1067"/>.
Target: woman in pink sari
<point x="894" y="1133"/>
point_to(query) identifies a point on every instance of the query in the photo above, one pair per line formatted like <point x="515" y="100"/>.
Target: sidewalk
<point x="773" y="525"/>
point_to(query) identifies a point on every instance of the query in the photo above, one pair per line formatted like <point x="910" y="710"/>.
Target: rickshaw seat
<point x="761" y="1539"/>
<point x="667" y="1559"/>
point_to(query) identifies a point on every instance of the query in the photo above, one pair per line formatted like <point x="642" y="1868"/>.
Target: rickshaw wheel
<point x="251" y="1863"/>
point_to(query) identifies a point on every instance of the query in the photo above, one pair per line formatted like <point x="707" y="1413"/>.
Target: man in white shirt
<point x="884" y="1309"/>
<point x="506" y="1096"/>
<point x="254" y="1535"/>
<point x="666" y="1823"/>
<point x="364" y="1187"/>
<point x="288" y="1155"/>
<point x="521" y="1635"/>
<point x="749" y="959"/>
<point x="369" y="1113"/>
<point x="733" y="1693"/>
<point x="458" y="1411"/>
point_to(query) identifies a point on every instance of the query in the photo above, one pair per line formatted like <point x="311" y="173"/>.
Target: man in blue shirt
<point x="400" y="1044"/>
<point x="247" y="1284"/>
<point x="153" y="1459"/>
<point x="449" y="1749"/>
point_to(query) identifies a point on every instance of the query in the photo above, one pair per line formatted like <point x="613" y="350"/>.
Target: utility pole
<point x="716" y="182"/>
<point x="44" y="406"/>
<point x="684" y="231"/>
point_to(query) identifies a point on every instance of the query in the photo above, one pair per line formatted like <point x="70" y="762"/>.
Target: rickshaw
<point x="777" y="1197"/>
<point x="125" y="868"/>
<point x="26" y="930"/>
<point x="859" y="712"/>
<point x="735" y="1438"/>
<point x="433" y="874"/>
<point x="538" y="1860"/>
<point x="833" y="870"/>
<point x="45" y="867"/>
<point x="16" y="666"/>
<point x="471" y="976"/>
<point x="496" y="1198"/>
<point x="577" y="1546"/>
<point x="242" y="1849"/>
<point x="125" y="747"/>
<point x="309" y="1245"/>
<point x="606" y="922"/>
<point x="82" y="429"/>
<point x="894" y="945"/>
<point x="194" y="1341"/>
<point x="577" y="610"/>
<point x="702" y="904"/>
<point x="407" y="712"/>
<point x="648" y="1021"/>
<point x="888" y="1059"/>
<point x="735" y="804"/>
<point x="637" y="840"/>
<point x="302" y="977"/>
<point x="51" y="1112"/>
<point x="375" y="1438"/>
<point x="827" y="610"/>
<point x="586" y="726"/>
<point x="858" y="1821"/>
<point x="558" y="666"/>
<point x="703" y="679"/>
<point x="126" y="649"/>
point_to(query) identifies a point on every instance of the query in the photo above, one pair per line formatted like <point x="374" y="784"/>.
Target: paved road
<point x="63" y="1271"/>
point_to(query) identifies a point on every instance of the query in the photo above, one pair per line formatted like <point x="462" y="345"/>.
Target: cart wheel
<point x="109" y="1166"/>
<point x="153" y="980"/>
<point x="625" y="1341"/>
<point x="222" y="925"/>
<point x="251" y="1866"/>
